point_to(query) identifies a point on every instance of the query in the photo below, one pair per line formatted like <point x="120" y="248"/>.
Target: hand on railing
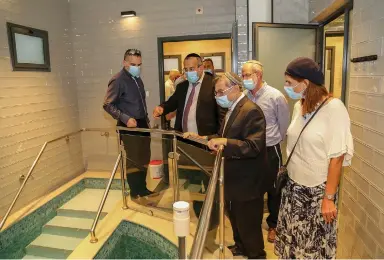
<point x="216" y="143"/>
<point x="195" y="137"/>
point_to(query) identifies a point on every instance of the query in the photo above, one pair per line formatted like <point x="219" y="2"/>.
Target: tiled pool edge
<point x="149" y="238"/>
<point x="17" y="236"/>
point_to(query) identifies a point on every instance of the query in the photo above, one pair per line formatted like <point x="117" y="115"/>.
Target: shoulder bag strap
<point x="302" y="130"/>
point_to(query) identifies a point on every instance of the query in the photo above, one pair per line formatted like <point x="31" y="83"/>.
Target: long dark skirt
<point x="302" y="232"/>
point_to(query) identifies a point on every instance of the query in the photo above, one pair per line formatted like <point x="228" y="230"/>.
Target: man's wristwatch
<point x="329" y="196"/>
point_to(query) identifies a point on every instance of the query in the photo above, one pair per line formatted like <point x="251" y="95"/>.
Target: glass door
<point x="275" y="45"/>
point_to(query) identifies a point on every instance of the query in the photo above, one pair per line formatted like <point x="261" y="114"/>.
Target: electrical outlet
<point x="199" y="10"/>
<point x="147" y="93"/>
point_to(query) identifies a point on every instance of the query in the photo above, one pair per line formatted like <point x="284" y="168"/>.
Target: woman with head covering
<point x="307" y="224"/>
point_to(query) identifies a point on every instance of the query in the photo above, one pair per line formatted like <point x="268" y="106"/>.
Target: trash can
<point x="156" y="169"/>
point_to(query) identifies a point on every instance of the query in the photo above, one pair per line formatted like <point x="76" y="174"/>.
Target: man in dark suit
<point x="196" y="111"/>
<point x="125" y="102"/>
<point x="194" y="101"/>
<point x="243" y="134"/>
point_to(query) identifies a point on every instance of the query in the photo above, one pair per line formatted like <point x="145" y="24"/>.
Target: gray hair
<point x="256" y="66"/>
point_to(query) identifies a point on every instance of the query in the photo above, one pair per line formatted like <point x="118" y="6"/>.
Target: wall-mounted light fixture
<point x="128" y="14"/>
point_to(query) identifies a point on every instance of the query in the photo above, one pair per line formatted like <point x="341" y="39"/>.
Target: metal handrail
<point x="222" y="213"/>
<point x="163" y="132"/>
<point x="30" y="173"/>
<point x="103" y="200"/>
<point x="205" y="215"/>
<point x="173" y="133"/>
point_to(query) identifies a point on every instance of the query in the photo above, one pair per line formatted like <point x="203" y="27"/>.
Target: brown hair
<point x="313" y="96"/>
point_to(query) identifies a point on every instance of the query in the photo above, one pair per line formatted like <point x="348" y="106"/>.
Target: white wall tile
<point x="37" y="106"/>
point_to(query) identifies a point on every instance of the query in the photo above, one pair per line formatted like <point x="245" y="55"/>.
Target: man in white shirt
<point x="276" y="111"/>
<point x="169" y="84"/>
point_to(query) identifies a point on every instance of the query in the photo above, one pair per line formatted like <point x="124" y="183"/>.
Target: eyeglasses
<point x="135" y="52"/>
<point x="222" y="92"/>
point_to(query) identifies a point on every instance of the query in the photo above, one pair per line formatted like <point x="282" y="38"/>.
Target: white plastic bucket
<point x="156" y="169"/>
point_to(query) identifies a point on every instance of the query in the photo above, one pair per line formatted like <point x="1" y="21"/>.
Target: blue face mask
<point x="292" y="94"/>
<point x="249" y="84"/>
<point x="209" y="71"/>
<point x="224" y="102"/>
<point x="192" y="76"/>
<point x="134" y="70"/>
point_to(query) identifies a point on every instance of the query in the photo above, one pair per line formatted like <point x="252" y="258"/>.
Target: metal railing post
<point x="205" y="215"/>
<point x="122" y="171"/>
<point x="222" y="214"/>
<point x="175" y="170"/>
<point x="22" y="186"/>
<point x="102" y="203"/>
<point x="182" y="250"/>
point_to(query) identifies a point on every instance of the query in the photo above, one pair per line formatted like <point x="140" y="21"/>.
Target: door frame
<point x="346" y="10"/>
<point x="332" y="49"/>
<point x="160" y="51"/>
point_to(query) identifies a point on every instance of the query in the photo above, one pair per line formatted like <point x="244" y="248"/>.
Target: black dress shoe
<point x="148" y="193"/>
<point x="232" y="247"/>
<point x="237" y="251"/>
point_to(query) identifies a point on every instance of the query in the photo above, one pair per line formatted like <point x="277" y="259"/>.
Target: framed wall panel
<point x="217" y="58"/>
<point x="172" y="62"/>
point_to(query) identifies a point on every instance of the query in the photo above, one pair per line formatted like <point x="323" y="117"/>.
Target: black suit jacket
<point x="246" y="164"/>
<point x="208" y="114"/>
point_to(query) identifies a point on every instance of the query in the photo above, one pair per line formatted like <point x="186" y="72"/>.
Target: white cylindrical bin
<point x="181" y="218"/>
<point x="156" y="169"/>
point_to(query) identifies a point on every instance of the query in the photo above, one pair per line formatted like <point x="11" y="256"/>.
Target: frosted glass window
<point x="29" y="49"/>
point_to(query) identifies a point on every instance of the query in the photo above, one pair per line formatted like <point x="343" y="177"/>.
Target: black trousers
<point x="275" y="161"/>
<point x="246" y="218"/>
<point x="137" y="146"/>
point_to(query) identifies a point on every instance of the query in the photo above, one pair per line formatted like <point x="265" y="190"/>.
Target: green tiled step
<point x="86" y="204"/>
<point x="68" y="226"/>
<point x="34" y="257"/>
<point x="52" y="246"/>
<point x="79" y="213"/>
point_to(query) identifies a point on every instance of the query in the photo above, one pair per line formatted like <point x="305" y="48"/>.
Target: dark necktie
<point x="188" y="108"/>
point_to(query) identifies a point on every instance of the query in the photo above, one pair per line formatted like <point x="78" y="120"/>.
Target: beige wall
<point x="199" y="47"/>
<point x="361" y="229"/>
<point x="37" y="106"/>
<point x="338" y="43"/>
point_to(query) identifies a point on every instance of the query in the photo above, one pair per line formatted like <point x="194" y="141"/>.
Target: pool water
<point x="133" y="241"/>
